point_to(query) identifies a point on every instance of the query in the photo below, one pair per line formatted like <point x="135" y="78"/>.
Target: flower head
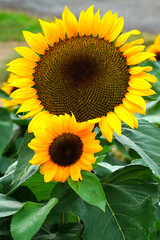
<point x="85" y="67"/>
<point x="63" y="147"/>
<point x="155" y="47"/>
<point x="8" y="88"/>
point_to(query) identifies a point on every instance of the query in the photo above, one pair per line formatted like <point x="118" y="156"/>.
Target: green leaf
<point x="6" y="180"/>
<point x="37" y="185"/>
<point x="25" y="154"/>
<point x="153" y="112"/>
<point x="145" y="141"/>
<point x="5" y="128"/>
<point x="146" y="98"/>
<point x="89" y="189"/>
<point x="4" y="95"/>
<point x="69" y="231"/>
<point x="8" y="205"/>
<point x="127" y="216"/>
<point x="137" y="180"/>
<point x="28" y="219"/>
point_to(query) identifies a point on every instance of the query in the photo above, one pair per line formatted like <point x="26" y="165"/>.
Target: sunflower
<point x="64" y="147"/>
<point x="7" y="88"/>
<point x="85" y="67"/>
<point x="155" y="47"/>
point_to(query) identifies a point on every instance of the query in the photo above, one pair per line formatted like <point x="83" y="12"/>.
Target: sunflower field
<point x="80" y="133"/>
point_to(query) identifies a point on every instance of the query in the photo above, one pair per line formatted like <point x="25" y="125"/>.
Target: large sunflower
<point x="155" y="47"/>
<point x="64" y="147"/>
<point x="84" y="67"/>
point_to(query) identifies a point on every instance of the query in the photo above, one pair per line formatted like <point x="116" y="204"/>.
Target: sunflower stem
<point x="46" y="230"/>
<point x="61" y="218"/>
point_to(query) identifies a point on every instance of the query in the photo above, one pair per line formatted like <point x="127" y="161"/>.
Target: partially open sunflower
<point x="8" y="88"/>
<point x="84" y="67"/>
<point x="155" y="47"/>
<point x="64" y="147"/>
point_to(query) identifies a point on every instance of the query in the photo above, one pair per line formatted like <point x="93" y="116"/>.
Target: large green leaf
<point x="25" y="154"/>
<point x="145" y="141"/>
<point x="89" y="189"/>
<point x="8" y="205"/>
<point x="24" y="169"/>
<point x="127" y="216"/>
<point x="152" y="112"/>
<point x="69" y="231"/>
<point x="5" y="128"/>
<point x="41" y="189"/>
<point x="28" y="219"/>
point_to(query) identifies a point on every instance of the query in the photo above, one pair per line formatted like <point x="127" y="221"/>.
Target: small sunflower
<point x="64" y="147"/>
<point x="155" y="47"/>
<point x="8" y="88"/>
<point x="84" y="67"/>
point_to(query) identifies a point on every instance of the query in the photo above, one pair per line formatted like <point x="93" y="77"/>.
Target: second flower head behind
<point x="63" y="147"/>
<point x="85" y="67"/>
<point x="155" y="48"/>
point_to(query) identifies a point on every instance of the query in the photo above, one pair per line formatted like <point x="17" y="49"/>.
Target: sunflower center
<point x="84" y="75"/>
<point x="66" y="149"/>
<point x="157" y="56"/>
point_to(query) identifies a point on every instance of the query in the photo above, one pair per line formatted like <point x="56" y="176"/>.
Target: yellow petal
<point x="139" y="57"/>
<point x="134" y="119"/>
<point x="106" y="130"/>
<point x="36" y="41"/>
<point x="132" y="107"/>
<point x="50" y="173"/>
<point x="123" y="37"/>
<point x="61" y="29"/>
<point x="45" y="166"/>
<point x="50" y="32"/>
<point x="114" y="122"/>
<point x="133" y="50"/>
<point x="89" y="157"/>
<point x="136" y="99"/>
<point x="43" y="135"/>
<point x="29" y="104"/>
<point x="24" y="93"/>
<point x="59" y="175"/>
<point x="95" y="120"/>
<point x="89" y="17"/>
<point x="106" y="24"/>
<point x="116" y="30"/>
<point x="124" y="115"/>
<point x="37" y="121"/>
<point x="22" y="62"/>
<point x="71" y="22"/>
<point x="20" y="82"/>
<point x="82" y="23"/>
<point x="33" y="112"/>
<point x="96" y="23"/>
<point x="75" y="173"/>
<point x="37" y="144"/>
<point x="126" y="46"/>
<point x="27" y="53"/>
<point x="147" y="92"/>
<point x="39" y="158"/>
<point x="92" y="147"/>
<point x="137" y="70"/>
<point x="146" y="76"/>
<point x="84" y="165"/>
<point x="22" y="71"/>
<point x="66" y="174"/>
<point x="139" y="84"/>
